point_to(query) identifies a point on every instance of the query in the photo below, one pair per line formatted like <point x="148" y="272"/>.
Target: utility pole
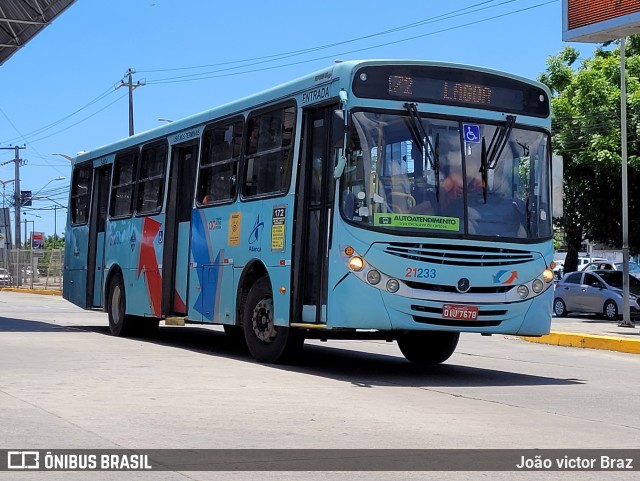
<point x="17" y="196"/>
<point x="129" y="83"/>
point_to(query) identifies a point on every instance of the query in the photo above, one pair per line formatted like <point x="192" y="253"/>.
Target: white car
<point x="583" y="261"/>
<point x="5" y="277"/>
<point x="634" y="268"/>
<point x="558" y="270"/>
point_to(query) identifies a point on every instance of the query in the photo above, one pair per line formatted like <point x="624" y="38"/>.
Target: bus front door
<point x="175" y="262"/>
<point x="313" y="215"/>
<point x="97" y="235"/>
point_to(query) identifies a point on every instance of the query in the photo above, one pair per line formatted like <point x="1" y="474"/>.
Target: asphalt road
<point x="66" y="383"/>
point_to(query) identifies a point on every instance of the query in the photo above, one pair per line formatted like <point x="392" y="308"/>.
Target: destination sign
<point x="451" y="86"/>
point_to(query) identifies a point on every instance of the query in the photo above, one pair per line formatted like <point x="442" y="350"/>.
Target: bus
<point x="406" y="201"/>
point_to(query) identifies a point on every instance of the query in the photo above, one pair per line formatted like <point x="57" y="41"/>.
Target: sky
<point x="59" y="93"/>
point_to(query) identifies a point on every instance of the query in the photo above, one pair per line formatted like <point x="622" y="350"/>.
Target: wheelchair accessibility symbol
<point x="471" y="133"/>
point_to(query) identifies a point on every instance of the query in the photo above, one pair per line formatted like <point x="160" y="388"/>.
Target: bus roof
<point x="336" y="72"/>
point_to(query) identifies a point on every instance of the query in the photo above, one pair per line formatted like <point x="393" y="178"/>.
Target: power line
<point x="217" y="73"/>
<point x="282" y="55"/>
<point x="79" y="121"/>
<point x="22" y="137"/>
<point x="478" y="7"/>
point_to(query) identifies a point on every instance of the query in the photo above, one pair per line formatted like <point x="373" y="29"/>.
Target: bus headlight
<point x="537" y="285"/>
<point x="356" y="263"/>
<point x="547" y="275"/>
<point x="373" y="277"/>
<point x="393" y="285"/>
<point x="523" y="291"/>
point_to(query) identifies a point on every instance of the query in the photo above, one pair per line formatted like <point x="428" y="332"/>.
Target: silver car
<point x="5" y="277"/>
<point x="598" y="292"/>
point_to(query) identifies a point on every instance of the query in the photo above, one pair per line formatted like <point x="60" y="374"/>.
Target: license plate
<point x="451" y="311"/>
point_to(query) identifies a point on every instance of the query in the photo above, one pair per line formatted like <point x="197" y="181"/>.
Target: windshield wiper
<point x="420" y="135"/>
<point x="498" y="141"/>
<point x="489" y="157"/>
<point x="484" y="171"/>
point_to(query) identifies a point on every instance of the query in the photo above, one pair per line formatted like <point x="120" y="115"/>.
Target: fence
<point x="32" y="268"/>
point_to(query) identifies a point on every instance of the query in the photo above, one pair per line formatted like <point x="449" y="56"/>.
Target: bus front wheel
<point x="428" y="347"/>
<point x="119" y="321"/>
<point x="266" y="341"/>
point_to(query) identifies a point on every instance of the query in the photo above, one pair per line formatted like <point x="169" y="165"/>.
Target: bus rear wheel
<point x="120" y="324"/>
<point x="427" y="348"/>
<point x="266" y="341"/>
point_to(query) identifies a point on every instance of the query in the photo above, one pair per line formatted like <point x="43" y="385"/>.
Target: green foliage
<point x="586" y="132"/>
<point x="54" y="242"/>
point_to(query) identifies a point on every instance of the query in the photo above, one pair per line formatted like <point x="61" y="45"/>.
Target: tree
<point x="54" y="242"/>
<point x="586" y="132"/>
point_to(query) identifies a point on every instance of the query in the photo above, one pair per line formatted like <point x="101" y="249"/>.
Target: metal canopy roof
<point x="21" y="20"/>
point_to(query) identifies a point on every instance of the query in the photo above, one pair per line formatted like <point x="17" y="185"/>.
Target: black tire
<point x="559" y="307"/>
<point x="610" y="310"/>
<point x="428" y="348"/>
<point x="120" y="323"/>
<point x="265" y="341"/>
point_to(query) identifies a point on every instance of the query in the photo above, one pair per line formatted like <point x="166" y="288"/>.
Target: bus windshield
<point x="424" y="176"/>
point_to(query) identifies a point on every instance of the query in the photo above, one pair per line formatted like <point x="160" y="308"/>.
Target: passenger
<point x="448" y="200"/>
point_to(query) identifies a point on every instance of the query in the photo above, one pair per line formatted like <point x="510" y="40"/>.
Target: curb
<point x="571" y="339"/>
<point x="46" y="292"/>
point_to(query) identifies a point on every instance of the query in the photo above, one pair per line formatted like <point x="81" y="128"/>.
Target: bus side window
<point x="268" y="155"/>
<point x="219" y="164"/>
<point x="151" y="182"/>
<point x="81" y="194"/>
<point x="122" y="187"/>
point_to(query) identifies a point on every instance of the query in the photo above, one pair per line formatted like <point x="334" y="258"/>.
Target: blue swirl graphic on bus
<point x="256" y="233"/>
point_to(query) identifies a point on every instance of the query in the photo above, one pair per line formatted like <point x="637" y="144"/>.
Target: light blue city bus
<point x="407" y="201"/>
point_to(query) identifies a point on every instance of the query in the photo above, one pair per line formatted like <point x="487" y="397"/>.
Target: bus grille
<point x="422" y="286"/>
<point x="466" y="256"/>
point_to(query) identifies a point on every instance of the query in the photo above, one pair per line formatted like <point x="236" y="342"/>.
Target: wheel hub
<point x="263" y="321"/>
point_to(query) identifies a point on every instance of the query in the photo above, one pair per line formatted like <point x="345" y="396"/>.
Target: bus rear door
<point x="184" y="162"/>
<point x="97" y="235"/>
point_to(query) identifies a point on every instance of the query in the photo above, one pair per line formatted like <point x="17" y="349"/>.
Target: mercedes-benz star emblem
<point x="463" y="285"/>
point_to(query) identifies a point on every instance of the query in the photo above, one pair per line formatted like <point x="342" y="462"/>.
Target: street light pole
<point x="626" y="309"/>
<point x="68" y="157"/>
<point x="33" y="228"/>
<point x="4" y="188"/>
<point x="45" y="185"/>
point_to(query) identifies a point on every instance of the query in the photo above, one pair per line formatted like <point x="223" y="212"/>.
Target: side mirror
<point x="339" y="169"/>
<point x="342" y="156"/>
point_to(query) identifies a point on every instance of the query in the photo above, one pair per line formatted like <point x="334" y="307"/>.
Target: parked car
<point x="600" y="266"/>
<point x="597" y="292"/>
<point x="583" y="261"/>
<point x="634" y="269"/>
<point x="558" y="270"/>
<point x="5" y="277"/>
<point x="27" y="271"/>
